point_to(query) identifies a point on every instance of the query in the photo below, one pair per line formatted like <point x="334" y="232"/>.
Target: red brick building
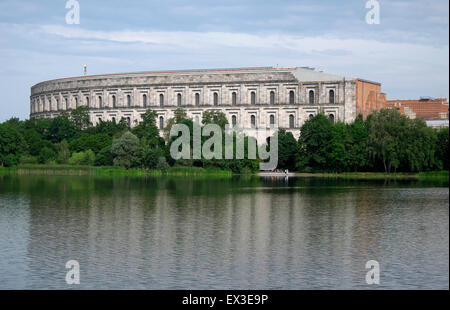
<point x="433" y="111"/>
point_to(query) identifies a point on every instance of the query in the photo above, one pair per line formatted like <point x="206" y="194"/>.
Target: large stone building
<point x="251" y="97"/>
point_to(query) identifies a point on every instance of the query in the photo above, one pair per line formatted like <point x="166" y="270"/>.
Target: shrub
<point x="86" y="158"/>
<point x="162" y="164"/>
<point x="46" y="155"/>
<point x="125" y="150"/>
<point x="28" y="159"/>
<point x="94" y="142"/>
<point x="63" y="153"/>
<point x="104" y="157"/>
<point x="10" y="160"/>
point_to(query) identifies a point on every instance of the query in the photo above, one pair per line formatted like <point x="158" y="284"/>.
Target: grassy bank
<point x="109" y="171"/>
<point x="32" y="169"/>
<point x="434" y="175"/>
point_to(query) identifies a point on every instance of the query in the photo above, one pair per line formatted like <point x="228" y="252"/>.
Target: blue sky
<point x="407" y="52"/>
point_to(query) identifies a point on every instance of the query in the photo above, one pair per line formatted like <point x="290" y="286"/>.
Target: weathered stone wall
<point x="111" y="97"/>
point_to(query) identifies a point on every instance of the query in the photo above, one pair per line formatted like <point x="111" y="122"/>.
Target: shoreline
<point x="197" y="171"/>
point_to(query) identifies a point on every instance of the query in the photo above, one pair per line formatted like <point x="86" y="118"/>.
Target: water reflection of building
<point x="170" y="234"/>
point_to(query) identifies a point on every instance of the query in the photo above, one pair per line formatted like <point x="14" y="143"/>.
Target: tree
<point x="63" y="153"/>
<point x="418" y="146"/>
<point x="386" y="128"/>
<point x="46" y="155"/>
<point x="179" y="116"/>
<point x="94" y="142"/>
<point x="339" y="148"/>
<point x="147" y="129"/>
<point x="314" y="139"/>
<point x="109" y="127"/>
<point x="104" y="157"/>
<point x="287" y="150"/>
<point x="80" y="117"/>
<point x="125" y="150"/>
<point x="442" y="147"/>
<point x="358" y="150"/>
<point x="162" y="164"/>
<point x="61" y="128"/>
<point x="11" y="145"/>
<point x="86" y="158"/>
<point x="214" y="117"/>
<point x="34" y="142"/>
<point x="149" y="156"/>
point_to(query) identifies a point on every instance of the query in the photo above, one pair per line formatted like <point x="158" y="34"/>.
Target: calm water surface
<point x="240" y="233"/>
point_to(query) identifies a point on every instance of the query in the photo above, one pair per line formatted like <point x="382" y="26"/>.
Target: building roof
<point x="302" y="74"/>
<point x="436" y="109"/>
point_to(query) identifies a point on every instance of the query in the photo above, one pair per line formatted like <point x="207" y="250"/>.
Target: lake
<point x="222" y="233"/>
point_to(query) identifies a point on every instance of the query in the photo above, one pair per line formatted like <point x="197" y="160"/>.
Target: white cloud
<point x="347" y="50"/>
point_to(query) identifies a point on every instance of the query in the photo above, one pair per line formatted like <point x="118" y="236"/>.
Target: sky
<point x="407" y="52"/>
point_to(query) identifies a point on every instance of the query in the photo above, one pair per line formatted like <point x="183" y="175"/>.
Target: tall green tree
<point x="80" y="117"/>
<point x="386" y="129"/>
<point x="358" y="154"/>
<point x="315" y="137"/>
<point x="125" y="150"/>
<point x="214" y="117"/>
<point x="338" y="158"/>
<point x="442" y="147"/>
<point x="63" y="152"/>
<point x="94" y="142"/>
<point x="179" y="116"/>
<point x="11" y="145"/>
<point x="287" y="150"/>
<point x="147" y="129"/>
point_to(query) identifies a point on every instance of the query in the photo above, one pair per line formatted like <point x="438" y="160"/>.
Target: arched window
<point x="197" y="119"/>
<point x="179" y="100"/>
<point x="233" y="120"/>
<point x="161" y="100"/>
<point x="144" y="100"/>
<point x="216" y="99"/>
<point x="253" y="97"/>
<point x="114" y="101"/>
<point x="58" y="106"/>
<point x="128" y="121"/>
<point x="161" y="122"/>
<point x="272" y="97"/>
<point x="67" y="103"/>
<point x="99" y="120"/>
<point x="114" y="120"/>
<point x="331" y="96"/>
<point x="291" y="97"/>
<point x="100" y="104"/>
<point x="87" y="102"/>
<point x="128" y="101"/>
<point x="311" y="97"/>
<point x="197" y="99"/>
<point x="234" y="98"/>
<point x="291" y="121"/>
<point x="253" y="121"/>
<point x="272" y="120"/>
<point x="331" y="117"/>
<point x="311" y="116"/>
<point x="76" y="102"/>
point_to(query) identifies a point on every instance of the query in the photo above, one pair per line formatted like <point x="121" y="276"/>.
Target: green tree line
<point x="385" y="141"/>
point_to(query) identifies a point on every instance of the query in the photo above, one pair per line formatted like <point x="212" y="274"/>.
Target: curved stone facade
<point x="250" y="97"/>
